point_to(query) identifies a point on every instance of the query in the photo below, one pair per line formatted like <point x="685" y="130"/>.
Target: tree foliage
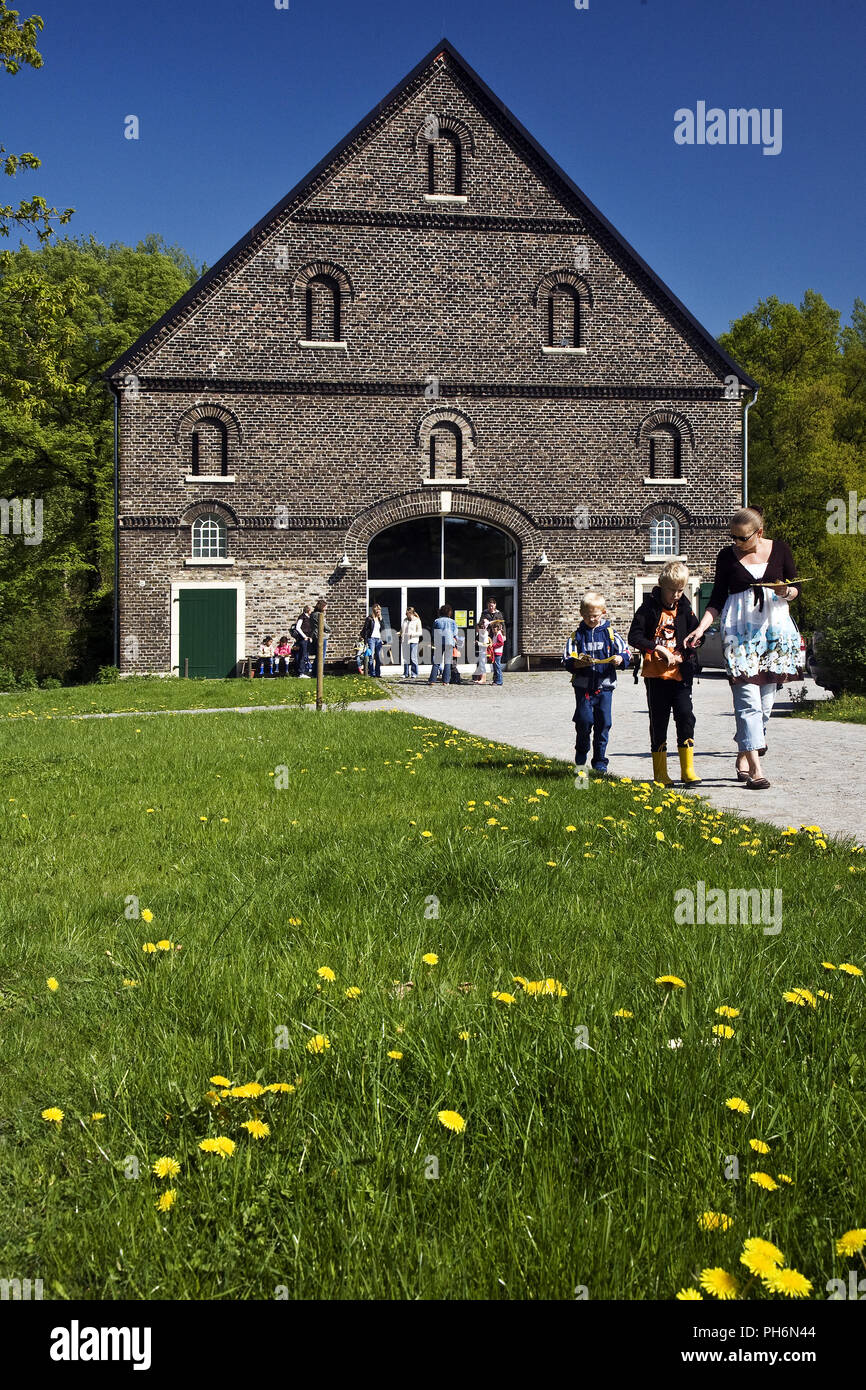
<point x="17" y="46"/>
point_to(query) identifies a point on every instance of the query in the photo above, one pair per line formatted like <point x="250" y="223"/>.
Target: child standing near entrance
<point x="495" y="650"/>
<point x="592" y="653"/>
<point x="659" y="629"/>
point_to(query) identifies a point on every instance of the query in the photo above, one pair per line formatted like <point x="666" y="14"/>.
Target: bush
<point x="107" y="675"/>
<point x="27" y="680"/>
<point x="840" y="646"/>
<point x="8" y="680"/>
<point x="51" y="683"/>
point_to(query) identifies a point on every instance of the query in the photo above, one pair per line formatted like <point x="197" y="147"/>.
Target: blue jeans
<point x="753" y="705"/>
<point x="412" y="662"/>
<point x="376" y="658"/>
<point x="592" y="719"/>
<point x="303" y="657"/>
<point x="497" y="670"/>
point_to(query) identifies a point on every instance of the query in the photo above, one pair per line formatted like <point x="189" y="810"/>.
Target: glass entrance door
<point x="464" y="599"/>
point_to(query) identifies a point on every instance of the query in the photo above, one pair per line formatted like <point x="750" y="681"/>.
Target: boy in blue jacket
<point x="592" y="653"/>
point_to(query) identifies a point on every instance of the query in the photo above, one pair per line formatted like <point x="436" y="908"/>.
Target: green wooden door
<point x="208" y="632"/>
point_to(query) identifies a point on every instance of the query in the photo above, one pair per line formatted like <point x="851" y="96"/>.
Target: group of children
<point x="594" y="651"/>
<point x="293" y="653"/>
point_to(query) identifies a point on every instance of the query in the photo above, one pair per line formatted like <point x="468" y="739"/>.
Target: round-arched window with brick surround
<point x="209" y="537"/>
<point x="664" y="535"/>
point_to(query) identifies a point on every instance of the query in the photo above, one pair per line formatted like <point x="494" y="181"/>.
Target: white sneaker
<point x="304" y="678"/>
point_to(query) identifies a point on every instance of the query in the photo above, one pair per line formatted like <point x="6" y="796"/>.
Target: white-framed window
<point x="664" y="536"/>
<point x="209" y="538"/>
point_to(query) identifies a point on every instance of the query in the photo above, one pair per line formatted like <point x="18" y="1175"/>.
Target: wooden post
<point x="320" y="658"/>
<point x="186" y="667"/>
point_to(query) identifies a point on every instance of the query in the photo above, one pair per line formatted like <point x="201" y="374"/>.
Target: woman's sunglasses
<point x="742" y="538"/>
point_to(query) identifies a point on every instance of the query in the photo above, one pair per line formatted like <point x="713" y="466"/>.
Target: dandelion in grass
<point x="715" y="1221"/>
<point x="98" y="1115"/>
<point x="850" y="969"/>
<point x="221" y="1145"/>
<point x="249" y="1091"/>
<point x="149" y="947"/>
<point x="828" y="965"/>
<point x="725" y="1011"/>
<point x="689" y="1295"/>
<point x="660" y="834"/>
<point x="318" y="1043"/>
<point x="219" y="1081"/>
<point x="673" y="980"/>
<point x="759" y="1146"/>
<point x="737" y="1103"/>
<point x="396" y="1056"/>
<point x="623" y="1013"/>
<point x="282" y="1086"/>
<point x="167" y="1200"/>
<point x="52" y="983"/>
<point x="430" y="958"/>
<point x="801" y="997"/>
<point x="852" y="1242"/>
<point x="353" y="992"/>
<point x="427" y="834"/>
<point x="257" y="1128"/>
<point x="719" y="1283"/>
<point x="294" y="921"/>
<point x="146" y="914"/>
<point x="786" y="1178"/>
<point x="53" y="1114"/>
<point x="759" y="1262"/>
<point x="166" y="1168"/>
<point x="765" y="1181"/>
<point x="463" y="1035"/>
<point x="130" y="984"/>
<point x="788" y="1282"/>
<point x="503" y="998"/>
<point x="164" y="946"/>
<point x="756" y="1245"/>
<point x="723" y="1030"/>
<point x="451" y="1120"/>
<point x="326" y="973"/>
<point x="822" y="994"/>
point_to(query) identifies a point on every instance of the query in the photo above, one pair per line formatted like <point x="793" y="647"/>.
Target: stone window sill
<point x="667" y="482"/>
<point x="663" y="559"/>
<point x="210" y="560"/>
<point x="575" y="351"/>
<point x="324" y="343"/>
<point x="211" y="478"/>
<point x="446" y="198"/>
<point x="445" y="482"/>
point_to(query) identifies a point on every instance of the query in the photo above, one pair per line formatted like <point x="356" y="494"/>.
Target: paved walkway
<point x="817" y="770"/>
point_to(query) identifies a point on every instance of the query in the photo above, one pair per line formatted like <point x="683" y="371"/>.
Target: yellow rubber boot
<point x="660" y="768"/>
<point x="687" y="763"/>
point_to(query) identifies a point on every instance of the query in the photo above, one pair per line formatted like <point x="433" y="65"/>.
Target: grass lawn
<point x="847" y="709"/>
<point x="141" y="693"/>
<point x="297" y="873"/>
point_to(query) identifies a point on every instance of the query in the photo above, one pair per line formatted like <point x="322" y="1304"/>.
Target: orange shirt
<point x="654" y="665"/>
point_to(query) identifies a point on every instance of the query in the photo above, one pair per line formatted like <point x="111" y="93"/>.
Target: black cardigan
<point x="732" y="577"/>
<point x="642" y="633"/>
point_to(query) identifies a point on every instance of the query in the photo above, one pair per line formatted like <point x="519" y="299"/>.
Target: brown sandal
<point x="757" y="784"/>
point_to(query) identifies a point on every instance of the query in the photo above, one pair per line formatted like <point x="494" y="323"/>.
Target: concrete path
<point x="817" y="770"/>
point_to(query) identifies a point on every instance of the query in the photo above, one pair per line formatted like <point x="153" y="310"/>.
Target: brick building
<point x="433" y="373"/>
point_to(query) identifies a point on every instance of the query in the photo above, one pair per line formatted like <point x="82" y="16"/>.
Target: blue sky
<point x="238" y="101"/>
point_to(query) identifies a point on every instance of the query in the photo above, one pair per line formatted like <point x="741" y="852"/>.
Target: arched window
<point x="446" y="450"/>
<point x="563" y="316"/>
<point x="664" y="536"/>
<point x="665" y="453"/>
<point x="445" y="164"/>
<point x="210" y="447"/>
<point x="209" y="538"/>
<point x="323" y="309"/>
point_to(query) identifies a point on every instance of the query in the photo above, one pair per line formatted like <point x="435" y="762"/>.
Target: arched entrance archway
<point x="439" y="559"/>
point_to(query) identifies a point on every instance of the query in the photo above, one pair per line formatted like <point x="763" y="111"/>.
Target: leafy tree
<point x="17" y="46"/>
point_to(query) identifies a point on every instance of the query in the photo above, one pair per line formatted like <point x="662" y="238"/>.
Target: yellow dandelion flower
<point x="800" y="996"/>
<point x="221" y="1145"/>
<point x="397" y="1056"/>
<point x="146" y="914"/>
<point x="294" y="921"/>
<point x="430" y="959"/>
<point x="326" y="973"/>
<point x="689" y="1295"/>
<point x="148" y="948"/>
<point x="167" y="1200"/>
<point x="163" y="945"/>
<point x="660" y="834"/>
<point x="673" y="980"/>
<point x="427" y="834"/>
<point x="451" y="1120"/>
<point x="754" y="1245"/>
<point x="737" y="1103"/>
<point x="571" y="827"/>
<point x="249" y="1091"/>
<point x="715" y="1221"/>
<point x="97" y="1115"/>
<point x="280" y="1086"/>
<point x="789" y="1282"/>
<point x="765" y="1181"/>
<point x="166" y="1168"/>
<point x="785" y="1177"/>
<point x="759" y="1146"/>
<point x="723" y="1030"/>
<point x="623" y="1013"/>
<point x="727" y="1012"/>
<point x="219" y="1080"/>
<point x="52" y="983"/>
<point x="318" y="1043"/>
<point x="551" y="863"/>
<point x="353" y="992"/>
<point x="719" y="1283"/>
<point x="759" y="1262"/>
<point x="714" y="840"/>
<point x="822" y="994"/>
<point x="850" y="969"/>
<point x="828" y="965"/>
<point x="852" y="1242"/>
<point x="519" y="980"/>
<point x="463" y="1036"/>
<point x="257" y="1128"/>
<point x="53" y="1114"/>
<point x="503" y="998"/>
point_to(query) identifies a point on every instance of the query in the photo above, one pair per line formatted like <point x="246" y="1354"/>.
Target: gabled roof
<point x="295" y="194"/>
